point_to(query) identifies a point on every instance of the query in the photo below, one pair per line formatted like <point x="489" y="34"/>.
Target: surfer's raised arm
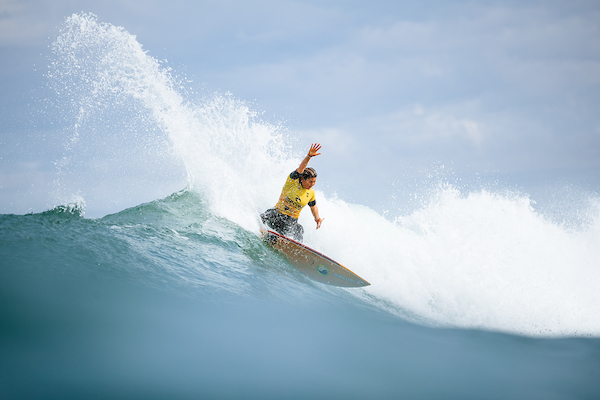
<point x="307" y="182"/>
<point x="314" y="151"/>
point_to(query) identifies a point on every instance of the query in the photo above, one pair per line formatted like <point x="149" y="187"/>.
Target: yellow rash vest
<point x="294" y="197"/>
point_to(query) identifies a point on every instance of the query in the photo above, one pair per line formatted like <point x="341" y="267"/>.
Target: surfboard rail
<point x="313" y="263"/>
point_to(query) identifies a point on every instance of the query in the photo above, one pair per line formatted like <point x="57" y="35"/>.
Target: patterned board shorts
<point x="284" y="224"/>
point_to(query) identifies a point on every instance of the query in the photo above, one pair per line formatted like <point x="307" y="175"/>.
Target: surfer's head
<point x="308" y="178"/>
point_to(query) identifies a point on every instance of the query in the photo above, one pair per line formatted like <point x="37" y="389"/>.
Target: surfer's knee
<point x="298" y="232"/>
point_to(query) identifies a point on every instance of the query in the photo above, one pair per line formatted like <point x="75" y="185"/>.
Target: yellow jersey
<point x="294" y="197"/>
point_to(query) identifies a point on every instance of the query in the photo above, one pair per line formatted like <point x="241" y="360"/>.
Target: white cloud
<point x="400" y="35"/>
<point x="420" y="127"/>
<point x="336" y="142"/>
<point x="16" y="25"/>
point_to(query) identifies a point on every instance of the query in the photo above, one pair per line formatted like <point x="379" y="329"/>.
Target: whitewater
<point x="466" y="269"/>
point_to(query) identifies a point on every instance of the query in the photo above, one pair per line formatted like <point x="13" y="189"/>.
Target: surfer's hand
<point x="314" y="150"/>
<point x="319" y="221"/>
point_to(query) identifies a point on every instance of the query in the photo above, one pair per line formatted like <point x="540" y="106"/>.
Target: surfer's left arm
<point x="315" y="212"/>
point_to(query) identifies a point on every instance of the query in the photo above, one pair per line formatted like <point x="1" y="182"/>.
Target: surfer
<point x="296" y="193"/>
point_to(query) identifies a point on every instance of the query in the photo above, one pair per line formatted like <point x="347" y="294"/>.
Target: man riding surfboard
<point x="296" y="193"/>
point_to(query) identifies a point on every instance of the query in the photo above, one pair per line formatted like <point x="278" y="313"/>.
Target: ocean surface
<point x="476" y="292"/>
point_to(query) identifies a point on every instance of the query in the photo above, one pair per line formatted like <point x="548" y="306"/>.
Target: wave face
<point x="173" y="244"/>
<point x="167" y="299"/>
<point x="189" y="269"/>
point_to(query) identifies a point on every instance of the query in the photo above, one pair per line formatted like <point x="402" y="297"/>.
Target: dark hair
<point x="309" y="173"/>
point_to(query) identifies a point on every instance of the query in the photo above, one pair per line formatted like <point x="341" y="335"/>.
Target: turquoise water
<point x="167" y="300"/>
<point x="477" y="292"/>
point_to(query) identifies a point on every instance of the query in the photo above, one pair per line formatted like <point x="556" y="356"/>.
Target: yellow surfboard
<point x="312" y="263"/>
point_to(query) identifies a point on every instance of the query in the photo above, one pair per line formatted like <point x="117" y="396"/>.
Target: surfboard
<point x="312" y="263"/>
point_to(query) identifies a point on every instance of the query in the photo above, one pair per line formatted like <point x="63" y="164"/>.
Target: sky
<point x="392" y="89"/>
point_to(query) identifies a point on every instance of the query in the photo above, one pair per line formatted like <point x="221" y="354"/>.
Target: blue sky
<point x="482" y="87"/>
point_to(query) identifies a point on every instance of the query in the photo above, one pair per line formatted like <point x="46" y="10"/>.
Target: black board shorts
<point x="284" y="224"/>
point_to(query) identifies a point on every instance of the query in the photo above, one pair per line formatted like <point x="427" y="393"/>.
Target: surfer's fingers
<point x="319" y="222"/>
